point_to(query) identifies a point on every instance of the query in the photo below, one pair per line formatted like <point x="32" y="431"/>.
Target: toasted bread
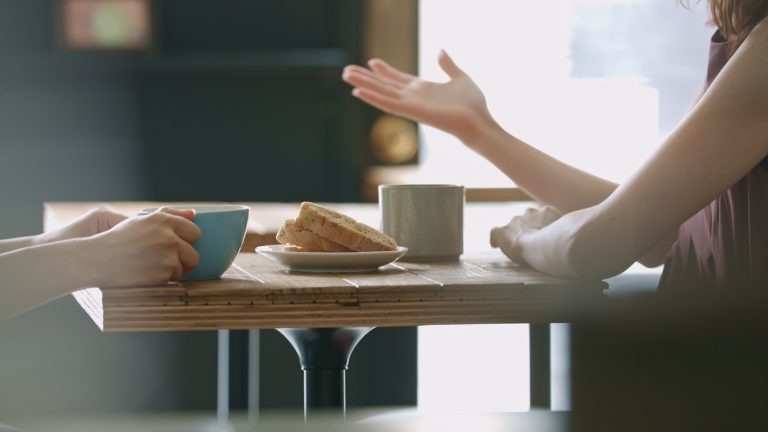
<point x="342" y="229"/>
<point x="294" y="234"/>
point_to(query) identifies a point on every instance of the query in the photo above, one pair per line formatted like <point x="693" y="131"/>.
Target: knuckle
<point x="155" y="217"/>
<point x="549" y="210"/>
<point x="163" y="239"/>
<point x="169" y="262"/>
<point x="170" y="239"/>
<point x="551" y="214"/>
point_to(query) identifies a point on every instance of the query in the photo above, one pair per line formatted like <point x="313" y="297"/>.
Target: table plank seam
<point x="248" y="274"/>
<point x="350" y="282"/>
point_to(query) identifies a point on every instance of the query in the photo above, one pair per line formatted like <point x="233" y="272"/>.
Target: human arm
<point x="723" y="137"/>
<point x="142" y="251"/>
<point x="459" y="107"/>
<point x="7" y="245"/>
<point x="93" y="222"/>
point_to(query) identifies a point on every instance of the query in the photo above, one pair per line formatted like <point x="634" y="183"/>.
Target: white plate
<point x="330" y="262"/>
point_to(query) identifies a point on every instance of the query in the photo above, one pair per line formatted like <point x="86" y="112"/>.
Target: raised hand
<point x="456" y="106"/>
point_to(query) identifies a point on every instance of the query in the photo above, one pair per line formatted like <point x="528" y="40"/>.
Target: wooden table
<point x="483" y="287"/>
<point x="257" y="293"/>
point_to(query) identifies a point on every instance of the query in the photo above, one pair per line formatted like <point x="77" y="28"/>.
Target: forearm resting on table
<point x="577" y="246"/>
<point x="597" y="242"/>
<point x="35" y="275"/>
<point x="550" y="181"/>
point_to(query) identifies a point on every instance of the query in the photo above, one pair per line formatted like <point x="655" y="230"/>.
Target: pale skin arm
<point x="722" y="138"/>
<point x="9" y="245"/>
<point x="141" y="251"/>
<point x="93" y="222"/>
<point x="458" y="107"/>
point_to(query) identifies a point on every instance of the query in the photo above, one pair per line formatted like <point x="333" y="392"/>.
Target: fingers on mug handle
<point x="188" y="214"/>
<point x="178" y="272"/>
<point x="186" y="230"/>
<point x="188" y="256"/>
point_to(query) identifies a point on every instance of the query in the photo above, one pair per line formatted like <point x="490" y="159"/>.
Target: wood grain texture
<point x="257" y="293"/>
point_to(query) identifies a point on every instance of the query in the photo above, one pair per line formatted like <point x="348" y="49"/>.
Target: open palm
<point x="456" y="106"/>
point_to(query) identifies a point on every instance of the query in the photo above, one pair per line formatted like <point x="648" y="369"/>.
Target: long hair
<point x="735" y="18"/>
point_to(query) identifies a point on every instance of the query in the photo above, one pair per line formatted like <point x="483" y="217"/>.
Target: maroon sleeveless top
<point x="725" y="244"/>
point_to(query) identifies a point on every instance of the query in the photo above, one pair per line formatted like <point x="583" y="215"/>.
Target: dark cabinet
<point x="243" y="101"/>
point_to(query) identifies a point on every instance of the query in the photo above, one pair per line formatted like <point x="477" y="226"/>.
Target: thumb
<point x="446" y="64"/>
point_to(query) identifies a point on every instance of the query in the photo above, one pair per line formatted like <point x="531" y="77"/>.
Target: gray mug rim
<point x="420" y="186"/>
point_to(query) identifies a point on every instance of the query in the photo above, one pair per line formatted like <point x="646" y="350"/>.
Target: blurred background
<point x="242" y="101"/>
<point x="180" y="100"/>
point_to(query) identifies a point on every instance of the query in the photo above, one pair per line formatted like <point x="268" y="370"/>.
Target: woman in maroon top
<point x="699" y="204"/>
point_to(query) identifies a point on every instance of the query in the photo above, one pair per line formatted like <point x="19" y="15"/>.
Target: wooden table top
<point x="483" y="287"/>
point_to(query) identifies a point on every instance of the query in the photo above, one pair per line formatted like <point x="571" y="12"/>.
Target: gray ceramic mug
<point x="427" y="219"/>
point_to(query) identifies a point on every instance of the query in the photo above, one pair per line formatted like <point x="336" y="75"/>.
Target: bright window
<point x="595" y="83"/>
<point x="592" y="82"/>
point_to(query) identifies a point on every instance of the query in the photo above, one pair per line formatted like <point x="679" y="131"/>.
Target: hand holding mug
<point x="146" y="250"/>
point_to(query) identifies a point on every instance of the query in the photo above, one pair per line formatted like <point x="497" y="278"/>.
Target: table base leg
<point x="324" y="356"/>
<point x="222" y="379"/>
<point x="540" y="366"/>
<point x="325" y="389"/>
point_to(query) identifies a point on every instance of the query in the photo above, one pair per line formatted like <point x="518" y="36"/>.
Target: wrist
<point x="36" y="240"/>
<point x="81" y="262"/>
<point x="477" y="129"/>
<point x="485" y="136"/>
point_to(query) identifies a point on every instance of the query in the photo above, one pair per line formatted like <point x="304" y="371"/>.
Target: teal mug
<point x="223" y="231"/>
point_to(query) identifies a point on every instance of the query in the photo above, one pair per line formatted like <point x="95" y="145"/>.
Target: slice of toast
<point x="342" y="229"/>
<point x="294" y="234"/>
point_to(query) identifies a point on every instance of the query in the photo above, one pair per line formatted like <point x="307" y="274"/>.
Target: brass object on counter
<point x="394" y="140"/>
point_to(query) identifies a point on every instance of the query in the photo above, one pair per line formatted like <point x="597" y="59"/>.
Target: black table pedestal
<point x="324" y="355"/>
